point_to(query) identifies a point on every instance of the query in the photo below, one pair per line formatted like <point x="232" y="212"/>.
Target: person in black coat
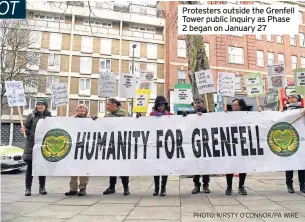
<point x="40" y="112"/>
<point x="294" y="102"/>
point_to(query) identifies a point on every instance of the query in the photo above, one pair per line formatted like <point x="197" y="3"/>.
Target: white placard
<point x="277" y="76"/>
<point x="127" y="86"/>
<point x="183" y="96"/>
<point x="226" y="84"/>
<point x="60" y="94"/>
<point x="107" y="84"/>
<point x="205" y="82"/>
<point x="253" y="91"/>
<point x="300" y="76"/>
<point x="15" y="93"/>
<point x="145" y="80"/>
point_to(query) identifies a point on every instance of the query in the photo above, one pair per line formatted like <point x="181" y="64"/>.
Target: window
<point x="105" y="65"/>
<point x="103" y="24"/>
<point x="54" y="63"/>
<point x="35" y="39"/>
<point x="302" y="39"/>
<point x="236" y="55"/>
<point x="136" y="49"/>
<point x="151" y="51"/>
<point x="31" y="103"/>
<point x="55" y="41"/>
<point x="207" y="50"/>
<point x="292" y="40"/>
<point x="181" y="76"/>
<point x="101" y="106"/>
<point x="152" y="67"/>
<point x="260" y="58"/>
<point x="50" y="104"/>
<point x="31" y="88"/>
<point x="181" y="48"/>
<point x="259" y="37"/>
<point x="281" y="58"/>
<point x="51" y="80"/>
<point x="49" y="17"/>
<point x="301" y="17"/>
<point x="302" y="62"/>
<point x="238" y="83"/>
<point x="85" y="86"/>
<point x="136" y="68"/>
<point x="33" y="61"/>
<point x="294" y="61"/>
<point x="142" y="29"/>
<point x="87" y="43"/>
<point x="153" y="90"/>
<point x="86" y="102"/>
<point x="279" y="39"/>
<point x="85" y="65"/>
<point x="106" y="46"/>
<point x="270" y="58"/>
<point x="269" y="38"/>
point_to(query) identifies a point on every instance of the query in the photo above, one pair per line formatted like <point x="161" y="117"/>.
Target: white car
<point x="11" y="158"/>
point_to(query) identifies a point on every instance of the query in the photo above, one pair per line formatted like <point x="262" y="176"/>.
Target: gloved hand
<point x="184" y="114"/>
<point x="94" y="117"/>
<point x="138" y="115"/>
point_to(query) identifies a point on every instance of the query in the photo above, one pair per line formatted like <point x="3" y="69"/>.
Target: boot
<point x="156" y="191"/>
<point x="290" y="189"/>
<point x="205" y="188"/>
<point x="302" y="187"/>
<point x="82" y="192"/>
<point x="71" y="193"/>
<point x="196" y="189"/>
<point x="126" y="191"/>
<point x="27" y="191"/>
<point x="242" y="190"/>
<point x="109" y="190"/>
<point x="229" y="191"/>
<point x="163" y="191"/>
<point x="42" y="191"/>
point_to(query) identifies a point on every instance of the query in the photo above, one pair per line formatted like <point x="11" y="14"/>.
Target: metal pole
<point x="132" y="71"/>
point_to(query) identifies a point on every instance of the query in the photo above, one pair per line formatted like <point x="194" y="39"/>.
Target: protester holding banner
<point x="82" y="112"/>
<point x="237" y="105"/>
<point x="40" y="112"/>
<point x="114" y="110"/>
<point x="294" y="102"/>
<point x="160" y="108"/>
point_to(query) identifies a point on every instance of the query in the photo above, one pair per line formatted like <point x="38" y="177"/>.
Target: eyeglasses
<point x="161" y="104"/>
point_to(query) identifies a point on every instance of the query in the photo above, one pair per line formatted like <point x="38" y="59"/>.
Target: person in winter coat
<point x="160" y="108"/>
<point x="114" y="110"/>
<point x="199" y="109"/>
<point x="40" y="112"/>
<point x="82" y="112"/>
<point x="237" y="105"/>
<point x="294" y="102"/>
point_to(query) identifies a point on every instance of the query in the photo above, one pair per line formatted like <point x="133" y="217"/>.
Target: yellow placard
<point x="140" y="103"/>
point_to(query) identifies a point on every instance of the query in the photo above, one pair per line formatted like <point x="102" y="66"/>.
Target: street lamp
<point x="133" y="48"/>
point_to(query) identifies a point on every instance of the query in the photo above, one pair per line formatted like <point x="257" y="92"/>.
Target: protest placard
<point x="205" y="82"/>
<point x="141" y="101"/>
<point x="299" y="79"/>
<point x="226" y="84"/>
<point x="60" y="94"/>
<point x="146" y="80"/>
<point x="127" y="86"/>
<point x="107" y="84"/>
<point x="183" y="94"/>
<point x="15" y="93"/>
<point x="277" y="76"/>
<point x="254" y="86"/>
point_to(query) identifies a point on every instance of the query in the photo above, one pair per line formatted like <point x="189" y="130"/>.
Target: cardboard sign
<point x="205" y="82"/>
<point x="107" y="85"/>
<point x="127" y="86"/>
<point x="299" y="79"/>
<point x="226" y="84"/>
<point x="146" y="80"/>
<point x="141" y="101"/>
<point x="183" y="94"/>
<point x="60" y="94"/>
<point x="277" y="76"/>
<point x="253" y="83"/>
<point x="15" y="93"/>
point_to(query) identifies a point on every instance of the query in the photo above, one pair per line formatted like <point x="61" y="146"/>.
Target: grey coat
<point x="30" y="127"/>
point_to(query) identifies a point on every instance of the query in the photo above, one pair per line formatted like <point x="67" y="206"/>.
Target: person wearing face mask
<point x="82" y="112"/>
<point x="160" y="108"/>
<point x="237" y="105"/>
<point x="294" y="102"/>
<point x="40" y="112"/>
<point x="114" y="110"/>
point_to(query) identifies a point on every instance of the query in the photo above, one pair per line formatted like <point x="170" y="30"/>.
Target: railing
<point x="143" y="35"/>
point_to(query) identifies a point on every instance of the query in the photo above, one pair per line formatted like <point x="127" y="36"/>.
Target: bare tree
<point x="17" y="61"/>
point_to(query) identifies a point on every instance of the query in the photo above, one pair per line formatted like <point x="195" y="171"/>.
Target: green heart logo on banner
<point x="55" y="144"/>
<point x="283" y="138"/>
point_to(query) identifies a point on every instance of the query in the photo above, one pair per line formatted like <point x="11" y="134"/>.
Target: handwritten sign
<point x="277" y="76"/>
<point x="183" y="94"/>
<point x="107" y="85"/>
<point x="205" y="82"/>
<point x="15" y="93"/>
<point x="253" y="83"/>
<point x="141" y="101"/>
<point x="60" y="94"/>
<point x="226" y="84"/>
<point x="127" y="86"/>
<point x="299" y="79"/>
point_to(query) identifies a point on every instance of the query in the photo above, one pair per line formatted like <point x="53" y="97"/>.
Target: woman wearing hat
<point x="160" y="108"/>
<point x="40" y="112"/>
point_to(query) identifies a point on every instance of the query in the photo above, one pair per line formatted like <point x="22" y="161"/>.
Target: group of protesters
<point x="161" y="107"/>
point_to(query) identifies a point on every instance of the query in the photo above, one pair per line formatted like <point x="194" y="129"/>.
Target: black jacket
<point x="203" y="110"/>
<point x="293" y="106"/>
<point x="30" y="128"/>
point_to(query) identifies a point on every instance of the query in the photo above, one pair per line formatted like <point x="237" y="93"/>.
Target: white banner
<point x="60" y="94"/>
<point x="15" y="93"/>
<point x="127" y="86"/>
<point x="214" y="143"/>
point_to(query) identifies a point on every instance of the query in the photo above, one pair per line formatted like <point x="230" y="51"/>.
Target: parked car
<point x="11" y="158"/>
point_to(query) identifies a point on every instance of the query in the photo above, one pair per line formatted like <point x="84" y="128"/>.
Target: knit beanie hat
<point x="82" y="105"/>
<point x="43" y="102"/>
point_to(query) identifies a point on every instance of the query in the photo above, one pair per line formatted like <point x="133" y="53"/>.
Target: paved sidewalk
<point x="267" y="195"/>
